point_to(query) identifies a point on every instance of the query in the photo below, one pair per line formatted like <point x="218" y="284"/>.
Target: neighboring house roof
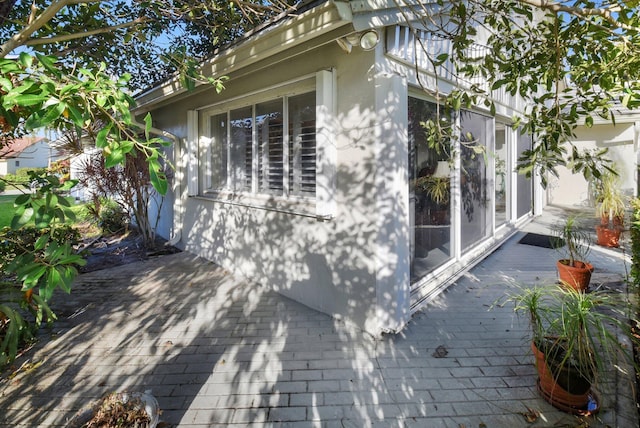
<point x="17" y="146"/>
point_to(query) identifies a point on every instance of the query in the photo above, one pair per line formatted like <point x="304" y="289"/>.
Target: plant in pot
<point x="575" y="341"/>
<point x="438" y="190"/>
<point x="573" y="269"/>
<point x="610" y="208"/>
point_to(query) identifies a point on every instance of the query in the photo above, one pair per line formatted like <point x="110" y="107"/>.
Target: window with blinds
<point x="241" y="148"/>
<point x="302" y="144"/>
<point x="270" y="137"/>
<point x="267" y="148"/>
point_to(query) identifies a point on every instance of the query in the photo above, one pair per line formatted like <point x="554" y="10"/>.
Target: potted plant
<point x="573" y="269"/>
<point x="437" y="190"/>
<point x="574" y="341"/>
<point x="610" y="208"/>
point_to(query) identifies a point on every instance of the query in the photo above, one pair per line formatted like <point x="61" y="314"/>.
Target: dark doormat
<point x="538" y="240"/>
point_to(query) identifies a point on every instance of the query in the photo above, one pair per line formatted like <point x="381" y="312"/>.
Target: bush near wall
<point x="21" y="177"/>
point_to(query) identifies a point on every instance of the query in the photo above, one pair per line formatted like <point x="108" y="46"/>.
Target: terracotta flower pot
<point x="608" y="237"/>
<point x="581" y="400"/>
<point x="577" y="276"/>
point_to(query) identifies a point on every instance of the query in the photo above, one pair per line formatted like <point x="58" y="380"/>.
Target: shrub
<point x="22" y="176"/>
<point x="3" y="186"/>
<point x="107" y="214"/>
<point x="16" y="242"/>
<point x="16" y="305"/>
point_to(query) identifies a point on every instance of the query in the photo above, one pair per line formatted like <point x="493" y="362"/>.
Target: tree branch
<point x="67" y="37"/>
<point x="47" y="15"/>
<point x="606" y="13"/>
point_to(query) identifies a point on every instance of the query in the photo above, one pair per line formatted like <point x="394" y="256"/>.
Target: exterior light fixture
<point x="369" y="39"/>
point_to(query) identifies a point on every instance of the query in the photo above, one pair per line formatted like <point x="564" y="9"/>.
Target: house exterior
<point x="28" y="152"/>
<point x="623" y="148"/>
<point x="310" y="172"/>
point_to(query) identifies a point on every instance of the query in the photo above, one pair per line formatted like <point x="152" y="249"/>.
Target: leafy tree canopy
<point x="572" y="61"/>
<point x="147" y="39"/>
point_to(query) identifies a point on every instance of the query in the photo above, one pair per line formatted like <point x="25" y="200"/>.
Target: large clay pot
<point x="564" y="388"/>
<point x="608" y="237"/>
<point x="577" y="276"/>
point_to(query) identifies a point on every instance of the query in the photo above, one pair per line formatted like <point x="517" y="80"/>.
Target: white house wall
<point x="572" y="189"/>
<point x="330" y="265"/>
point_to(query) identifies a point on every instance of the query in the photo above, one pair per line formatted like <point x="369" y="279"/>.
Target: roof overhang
<point x="325" y="22"/>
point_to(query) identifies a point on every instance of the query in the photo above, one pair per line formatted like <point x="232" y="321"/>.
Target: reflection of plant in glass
<point x="437" y="188"/>
<point x="474" y="187"/>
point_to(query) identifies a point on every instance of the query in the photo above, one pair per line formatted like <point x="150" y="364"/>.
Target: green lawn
<point x="7" y="209"/>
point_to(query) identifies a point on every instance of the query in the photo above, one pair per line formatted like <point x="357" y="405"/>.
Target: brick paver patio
<point x="216" y="350"/>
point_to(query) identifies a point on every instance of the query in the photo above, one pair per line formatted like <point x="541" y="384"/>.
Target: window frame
<point x="199" y="145"/>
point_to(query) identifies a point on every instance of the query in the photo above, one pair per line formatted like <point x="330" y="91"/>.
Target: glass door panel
<point x="473" y="178"/>
<point x="500" y="174"/>
<point x="429" y="194"/>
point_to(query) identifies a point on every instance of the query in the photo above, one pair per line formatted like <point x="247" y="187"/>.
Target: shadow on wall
<point x="214" y="349"/>
<point x="333" y="266"/>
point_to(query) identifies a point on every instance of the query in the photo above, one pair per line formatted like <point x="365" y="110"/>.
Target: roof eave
<point x="274" y="39"/>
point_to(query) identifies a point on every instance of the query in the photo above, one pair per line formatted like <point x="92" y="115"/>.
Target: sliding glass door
<point x="429" y="193"/>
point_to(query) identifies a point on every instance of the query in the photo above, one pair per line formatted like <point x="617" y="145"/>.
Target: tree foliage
<point x="73" y="67"/>
<point x="571" y="61"/>
<point x="148" y="39"/>
<point x="78" y="62"/>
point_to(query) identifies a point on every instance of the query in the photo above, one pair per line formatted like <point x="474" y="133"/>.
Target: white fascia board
<point x="621" y="118"/>
<point x="278" y="38"/>
<point x="381" y="13"/>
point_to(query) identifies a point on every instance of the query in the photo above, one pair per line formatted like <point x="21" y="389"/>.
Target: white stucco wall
<point x="572" y="189"/>
<point x="347" y="266"/>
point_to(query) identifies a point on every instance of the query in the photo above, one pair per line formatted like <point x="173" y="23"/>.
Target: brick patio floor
<point x="216" y="350"/>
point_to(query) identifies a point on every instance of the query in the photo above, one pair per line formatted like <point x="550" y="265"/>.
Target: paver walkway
<point x="218" y="351"/>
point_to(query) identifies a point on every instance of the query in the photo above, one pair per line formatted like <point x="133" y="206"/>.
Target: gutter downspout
<point x="177" y="235"/>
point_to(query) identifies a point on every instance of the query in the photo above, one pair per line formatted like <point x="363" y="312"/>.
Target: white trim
<point x="192" y="152"/>
<point x="296" y="86"/>
<point x="326" y="151"/>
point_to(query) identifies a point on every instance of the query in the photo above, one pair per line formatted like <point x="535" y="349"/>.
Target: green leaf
<point x="147" y="125"/>
<point x="115" y="157"/>
<point x="53" y="278"/>
<point x="25" y="59"/>
<point x="22" y="200"/>
<point x="101" y="137"/>
<point x="22" y="217"/>
<point x="43" y="217"/>
<point x="28" y="100"/>
<point x="41" y="242"/>
<point x="76" y="116"/>
<point x="588" y="121"/>
<point x="158" y="181"/>
<point x="48" y="62"/>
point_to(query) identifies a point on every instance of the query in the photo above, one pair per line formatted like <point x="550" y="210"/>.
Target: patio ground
<point x="216" y="350"/>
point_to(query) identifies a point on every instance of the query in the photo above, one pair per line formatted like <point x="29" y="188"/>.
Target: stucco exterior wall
<point x="346" y="266"/>
<point x="572" y="189"/>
